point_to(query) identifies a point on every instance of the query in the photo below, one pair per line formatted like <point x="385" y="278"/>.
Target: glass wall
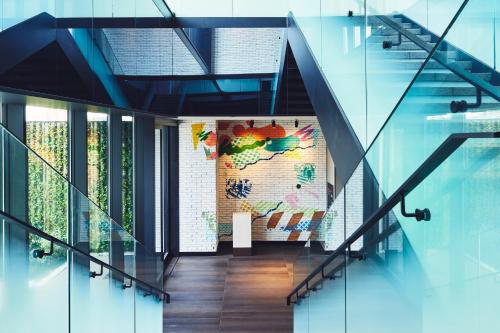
<point x="58" y="289"/>
<point x="436" y="274"/>
<point x="369" y="64"/>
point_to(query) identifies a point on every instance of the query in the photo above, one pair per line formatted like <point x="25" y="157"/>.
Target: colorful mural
<point x="210" y="221"/>
<point x="208" y="139"/>
<point x="306" y="173"/>
<point x="251" y="145"/>
<point x="287" y="168"/>
<point x="238" y="189"/>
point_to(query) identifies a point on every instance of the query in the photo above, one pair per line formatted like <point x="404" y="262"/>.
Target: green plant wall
<point x="127" y="177"/>
<point x="47" y="190"/>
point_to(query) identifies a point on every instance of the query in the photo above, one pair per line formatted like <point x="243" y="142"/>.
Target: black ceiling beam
<point x="114" y="22"/>
<point x="232" y="22"/>
<point x="161" y="22"/>
<point x="196" y="77"/>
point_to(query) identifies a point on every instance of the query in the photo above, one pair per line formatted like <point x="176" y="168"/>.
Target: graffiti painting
<point x="306" y="173"/>
<point x="238" y="188"/>
<point x="208" y="139"/>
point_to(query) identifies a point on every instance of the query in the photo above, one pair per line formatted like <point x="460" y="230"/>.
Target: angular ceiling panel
<point x="151" y="52"/>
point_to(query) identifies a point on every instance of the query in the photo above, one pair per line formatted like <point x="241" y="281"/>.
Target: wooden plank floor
<point x="231" y="294"/>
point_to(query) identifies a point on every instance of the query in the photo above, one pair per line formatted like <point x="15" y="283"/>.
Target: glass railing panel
<point x="327" y="305"/>
<point x="308" y="16"/>
<point x="148" y="312"/>
<point x="432" y="109"/>
<point x="384" y="289"/>
<point x="475" y="31"/>
<point x="99" y="300"/>
<point x="229" y="8"/>
<point x="91" y="229"/>
<point x="343" y="44"/>
<point x="440" y="274"/>
<point x="260" y="8"/>
<point x="201" y="8"/>
<point x="14" y="12"/>
<point x="33" y="291"/>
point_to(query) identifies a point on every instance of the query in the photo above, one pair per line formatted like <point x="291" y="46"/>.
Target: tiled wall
<point x="197" y="187"/>
<point x="264" y="179"/>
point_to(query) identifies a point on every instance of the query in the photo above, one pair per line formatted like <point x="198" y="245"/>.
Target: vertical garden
<point x="48" y="190"/>
<point x="48" y="203"/>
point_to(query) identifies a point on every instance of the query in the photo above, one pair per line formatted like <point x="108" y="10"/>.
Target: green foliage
<point x="47" y="190"/>
<point x="127" y="177"/>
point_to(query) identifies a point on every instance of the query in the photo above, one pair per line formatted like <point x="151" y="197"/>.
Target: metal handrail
<point x="450" y="145"/>
<point x="53" y="240"/>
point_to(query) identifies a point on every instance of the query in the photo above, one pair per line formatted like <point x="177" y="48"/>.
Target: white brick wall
<point x="151" y="52"/>
<point x="244" y="50"/>
<point x="203" y="201"/>
<point x="197" y="188"/>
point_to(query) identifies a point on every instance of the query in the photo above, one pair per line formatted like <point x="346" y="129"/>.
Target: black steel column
<point x="171" y="191"/>
<point x="144" y="181"/>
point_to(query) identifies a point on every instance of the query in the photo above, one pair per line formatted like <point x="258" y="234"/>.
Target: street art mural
<point x="207" y="139"/>
<point x="238" y="189"/>
<point x="250" y="145"/>
<point x="306" y="173"/>
<point x="277" y="173"/>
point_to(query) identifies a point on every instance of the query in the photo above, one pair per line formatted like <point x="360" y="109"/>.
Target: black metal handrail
<point x="450" y="145"/>
<point x="161" y="295"/>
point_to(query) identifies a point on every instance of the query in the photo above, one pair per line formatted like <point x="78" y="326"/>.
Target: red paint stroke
<point x="229" y="165"/>
<point x="305" y="133"/>
<point x="223" y="125"/>
<point x="260" y="133"/>
<point x="211" y="139"/>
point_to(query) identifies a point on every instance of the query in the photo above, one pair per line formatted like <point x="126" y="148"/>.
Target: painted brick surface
<point x="261" y="182"/>
<point x="197" y="191"/>
<point x="243" y="50"/>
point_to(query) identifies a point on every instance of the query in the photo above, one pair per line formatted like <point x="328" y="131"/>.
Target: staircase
<point x="437" y="86"/>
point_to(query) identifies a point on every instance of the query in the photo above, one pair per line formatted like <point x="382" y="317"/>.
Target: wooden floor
<point x="231" y="294"/>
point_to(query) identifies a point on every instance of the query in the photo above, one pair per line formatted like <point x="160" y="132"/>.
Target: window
<point x="128" y="174"/>
<point x="47" y="135"/>
<point x="97" y="157"/>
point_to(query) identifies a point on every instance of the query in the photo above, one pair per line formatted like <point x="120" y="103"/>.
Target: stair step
<point x="395" y="38"/>
<point x="405" y="46"/>
<point x="416" y="64"/>
<point x="408" y="54"/>
<point x="391" y="32"/>
<point x="426" y="75"/>
<point x="379" y="25"/>
<point x="443" y="89"/>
